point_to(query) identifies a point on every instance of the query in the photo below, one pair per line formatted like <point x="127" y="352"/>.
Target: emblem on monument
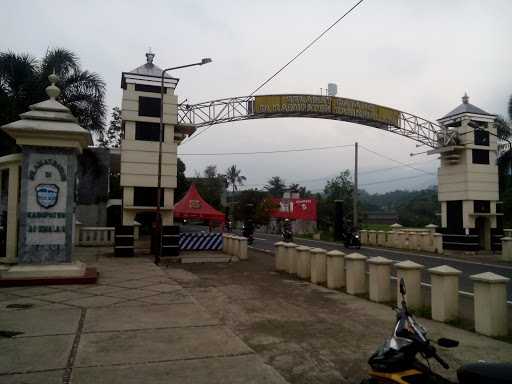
<point x="47" y="195"/>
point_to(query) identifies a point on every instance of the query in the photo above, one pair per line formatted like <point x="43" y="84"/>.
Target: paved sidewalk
<point x="137" y="325"/>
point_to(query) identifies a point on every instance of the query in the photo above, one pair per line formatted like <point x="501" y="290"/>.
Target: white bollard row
<point x="235" y="246"/>
<point x="427" y="240"/>
<point x="337" y="270"/>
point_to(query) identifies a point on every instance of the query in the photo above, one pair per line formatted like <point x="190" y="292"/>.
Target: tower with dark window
<point x="468" y="175"/>
<point x="140" y="142"/>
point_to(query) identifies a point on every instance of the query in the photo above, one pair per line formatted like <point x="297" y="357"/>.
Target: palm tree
<point x="23" y="80"/>
<point x="276" y="186"/>
<point x="233" y="178"/>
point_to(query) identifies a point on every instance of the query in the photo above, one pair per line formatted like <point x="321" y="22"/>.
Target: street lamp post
<point x="158" y="214"/>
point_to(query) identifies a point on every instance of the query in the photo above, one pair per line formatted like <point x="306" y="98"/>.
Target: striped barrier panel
<point x="197" y="241"/>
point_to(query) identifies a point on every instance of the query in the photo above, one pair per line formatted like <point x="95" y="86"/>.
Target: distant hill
<point x="414" y="208"/>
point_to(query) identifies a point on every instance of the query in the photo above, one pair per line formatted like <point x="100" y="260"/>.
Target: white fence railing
<point x="95" y="236"/>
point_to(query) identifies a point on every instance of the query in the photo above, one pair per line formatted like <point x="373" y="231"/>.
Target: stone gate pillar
<point x="48" y="139"/>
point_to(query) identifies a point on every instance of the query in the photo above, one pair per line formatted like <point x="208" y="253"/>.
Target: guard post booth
<point x="37" y="193"/>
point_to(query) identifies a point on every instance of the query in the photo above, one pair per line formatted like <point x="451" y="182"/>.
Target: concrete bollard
<point x="402" y="240"/>
<point x="381" y="238"/>
<point x="280" y="264"/>
<point x="412" y="241"/>
<point x="335" y="269"/>
<point x="356" y="273"/>
<point x="411" y="273"/>
<point x="490" y="292"/>
<point x="224" y="243"/>
<point x="394" y="239"/>
<point x="444" y="293"/>
<point x="291" y="259"/>
<point x="372" y="237"/>
<point x="389" y="239"/>
<point x="318" y="265"/>
<point x="425" y="241"/>
<point x="286" y="245"/>
<point x="235" y="246"/>
<point x="380" y="279"/>
<point x="431" y="228"/>
<point x="396" y="227"/>
<point x="363" y="234"/>
<point x="438" y="243"/>
<point x="506" y="249"/>
<point x="303" y="262"/>
<point x="242" y="251"/>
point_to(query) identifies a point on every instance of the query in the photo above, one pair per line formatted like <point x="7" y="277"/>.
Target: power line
<point x="395" y="167"/>
<point x="396" y="161"/>
<point x="267" y="152"/>
<point x="306" y="48"/>
<point x="391" y="180"/>
<point x="287" y="64"/>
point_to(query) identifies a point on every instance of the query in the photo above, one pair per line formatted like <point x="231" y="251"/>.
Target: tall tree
<point x="111" y="136"/>
<point x="276" y="186"/>
<point x="234" y="179"/>
<point x="23" y="80"/>
<point x="183" y="184"/>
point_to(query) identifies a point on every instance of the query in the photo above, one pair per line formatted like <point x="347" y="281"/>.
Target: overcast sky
<point x="415" y="56"/>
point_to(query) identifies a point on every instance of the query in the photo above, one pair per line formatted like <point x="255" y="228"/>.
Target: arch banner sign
<point x="346" y="109"/>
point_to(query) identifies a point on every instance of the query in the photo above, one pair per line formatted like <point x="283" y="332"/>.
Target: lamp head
<point x="206" y="60"/>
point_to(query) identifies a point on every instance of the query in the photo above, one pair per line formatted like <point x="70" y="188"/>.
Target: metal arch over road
<point x="313" y="106"/>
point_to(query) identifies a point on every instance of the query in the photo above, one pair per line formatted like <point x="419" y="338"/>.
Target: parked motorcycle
<point x="395" y="361"/>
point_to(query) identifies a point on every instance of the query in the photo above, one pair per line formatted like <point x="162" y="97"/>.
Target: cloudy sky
<point x="415" y="56"/>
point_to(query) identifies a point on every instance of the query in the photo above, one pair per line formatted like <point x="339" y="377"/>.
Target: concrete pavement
<point x="137" y="325"/>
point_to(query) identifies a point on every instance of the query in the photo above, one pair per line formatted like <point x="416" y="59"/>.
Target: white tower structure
<point x="468" y="175"/>
<point x="140" y="141"/>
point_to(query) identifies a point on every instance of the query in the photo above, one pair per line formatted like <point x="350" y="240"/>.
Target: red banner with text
<point x="295" y="209"/>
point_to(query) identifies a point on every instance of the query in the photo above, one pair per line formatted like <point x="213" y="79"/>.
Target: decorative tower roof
<point x="49" y="120"/>
<point x="465" y="107"/>
<point x="148" y="74"/>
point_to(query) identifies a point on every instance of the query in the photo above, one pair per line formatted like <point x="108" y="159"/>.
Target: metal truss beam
<point x="242" y="108"/>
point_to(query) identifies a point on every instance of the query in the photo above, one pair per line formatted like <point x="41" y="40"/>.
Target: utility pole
<point x="355" y="223"/>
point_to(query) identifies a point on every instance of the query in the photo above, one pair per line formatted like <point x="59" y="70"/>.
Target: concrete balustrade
<point x="372" y="237"/>
<point x="280" y="259"/>
<point x="291" y="258"/>
<point x="286" y="245"/>
<point x="95" y="236"/>
<point x="303" y="262"/>
<point x="242" y="251"/>
<point x="506" y="249"/>
<point x="432" y="228"/>
<point x="335" y="269"/>
<point x="444" y="293"/>
<point x="380" y="279"/>
<point x="363" y="234"/>
<point x="381" y="238"/>
<point x="411" y="273"/>
<point x="396" y="227"/>
<point x="490" y="302"/>
<point x="229" y="243"/>
<point x="355" y="265"/>
<point x="318" y="265"/>
<point x="437" y="243"/>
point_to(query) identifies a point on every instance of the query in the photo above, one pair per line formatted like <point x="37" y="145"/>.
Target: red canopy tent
<point x="192" y="206"/>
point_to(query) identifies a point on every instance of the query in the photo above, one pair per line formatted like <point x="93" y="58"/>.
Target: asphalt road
<point x="266" y="242"/>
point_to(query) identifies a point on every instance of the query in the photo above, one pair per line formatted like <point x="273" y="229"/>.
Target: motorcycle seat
<point x="485" y="373"/>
